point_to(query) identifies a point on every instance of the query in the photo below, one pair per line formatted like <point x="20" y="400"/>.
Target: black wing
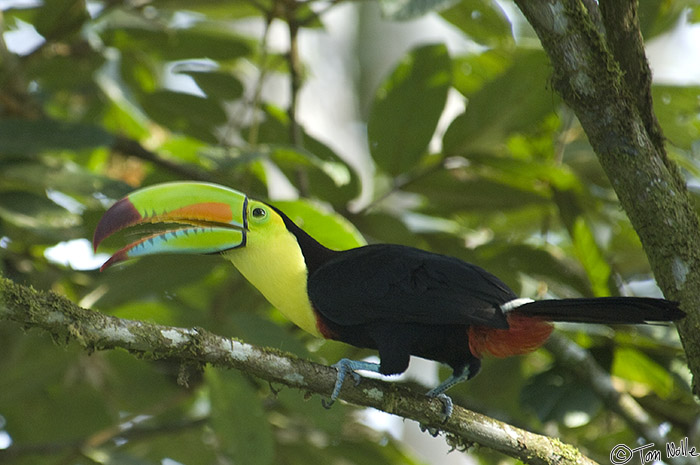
<point x="386" y="282"/>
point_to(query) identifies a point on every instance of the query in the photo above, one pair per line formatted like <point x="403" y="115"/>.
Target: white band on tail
<point x="515" y="303"/>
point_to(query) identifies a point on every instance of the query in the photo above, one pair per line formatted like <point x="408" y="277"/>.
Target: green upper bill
<point x="215" y="218"/>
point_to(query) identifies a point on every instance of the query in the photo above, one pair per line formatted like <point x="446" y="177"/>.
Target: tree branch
<point x="627" y="45"/>
<point x="593" y="83"/>
<point x="66" y="322"/>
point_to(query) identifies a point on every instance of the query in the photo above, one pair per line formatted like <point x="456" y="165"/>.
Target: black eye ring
<point x="259" y="212"/>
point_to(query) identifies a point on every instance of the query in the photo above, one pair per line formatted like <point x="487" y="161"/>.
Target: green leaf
<point x="138" y="71"/>
<point x="633" y="365"/>
<point x="524" y="174"/>
<point x="289" y="158"/>
<point x="179" y="446"/>
<point x="383" y="227"/>
<point x="331" y="421"/>
<point x="515" y="101"/>
<point x="238" y="418"/>
<point x="678" y="111"/>
<point x="368" y="453"/>
<point x="450" y="191"/>
<point x="659" y="16"/>
<point x="589" y="255"/>
<point x="694" y="15"/>
<point x="137" y="385"/>
<point x="29" y="137"/>
<point x="407" y="108"/>
<point x="208" y="41"/>
<point x="217" y="84"/>
<point x="510" y="261"/>
<point x="186" y="113"/>
<point x="57" y="18"/>
<point x="471" y="72"/>
<point x="217" y="8"/>
<point x="402" y="10"/>
<point x="35" y="212"/>
<point x="116" y="458"/>
<point x="200" y="41"/>
<point x="67" y="177"/>
<point x="152" y="277"/>
<point x="47" y="394"/>
<point x="74" y="72"/>
<point x="145" y="310"/>
<point x="184" y="149"/>
<point x="482" y="20"/>
<point x="302" y="167"/>
<point x="326" y="226"/>
<point x="121" y="118"/>
<point x="554" y="395"/>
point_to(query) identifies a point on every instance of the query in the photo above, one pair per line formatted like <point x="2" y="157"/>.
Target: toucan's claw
<point x="344" y="367"/>
<point x="347" y="367"/>
<point x="439" y="393"/>
<point x="448" y="406"/>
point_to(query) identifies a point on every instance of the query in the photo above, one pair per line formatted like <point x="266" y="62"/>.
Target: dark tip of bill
<point x="119" y="256"/>
<point x="119" y="216"/>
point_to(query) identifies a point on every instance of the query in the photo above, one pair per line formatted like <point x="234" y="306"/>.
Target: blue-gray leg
<point x="448" y="383"/>
<point x="346" y="366"/>
<point x="439" y="393"/>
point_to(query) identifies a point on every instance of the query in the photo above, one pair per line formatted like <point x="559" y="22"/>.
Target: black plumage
<point x="404" y="301"/>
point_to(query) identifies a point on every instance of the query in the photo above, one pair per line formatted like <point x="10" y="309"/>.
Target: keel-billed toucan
<point x="398" y="300"/>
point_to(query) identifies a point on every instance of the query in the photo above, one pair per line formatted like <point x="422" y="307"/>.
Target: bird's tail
<point x="529" y="321"/>
<point x="602" y="310"/>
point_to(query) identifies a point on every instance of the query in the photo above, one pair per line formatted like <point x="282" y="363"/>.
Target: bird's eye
<point x="259" y="213"/>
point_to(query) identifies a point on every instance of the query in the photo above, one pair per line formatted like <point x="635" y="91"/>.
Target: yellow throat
<point x="273" y="262"/>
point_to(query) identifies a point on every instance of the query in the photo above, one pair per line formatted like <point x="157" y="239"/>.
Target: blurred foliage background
<point x="450" y="141"/>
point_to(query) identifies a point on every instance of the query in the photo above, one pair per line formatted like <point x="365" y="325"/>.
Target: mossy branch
<point x="67" y="322"/>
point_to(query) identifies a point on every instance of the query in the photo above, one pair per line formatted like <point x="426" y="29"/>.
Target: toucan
<point x="398" y="300"/>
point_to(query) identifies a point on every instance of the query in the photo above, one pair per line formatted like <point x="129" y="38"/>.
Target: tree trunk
<point x="600" y="70"/>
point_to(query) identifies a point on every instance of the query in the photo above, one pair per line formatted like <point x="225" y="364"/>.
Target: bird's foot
<point x="346" y="366"/>
<point x="448" y="407"/>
